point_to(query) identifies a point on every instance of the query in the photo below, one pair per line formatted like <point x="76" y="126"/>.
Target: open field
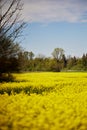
<point x="44" y="101"/>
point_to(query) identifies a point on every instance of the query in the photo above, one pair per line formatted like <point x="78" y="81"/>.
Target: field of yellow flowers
<point x="44" y="101"/>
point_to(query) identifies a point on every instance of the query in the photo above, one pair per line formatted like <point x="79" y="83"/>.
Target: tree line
<point x="58" y="62"/>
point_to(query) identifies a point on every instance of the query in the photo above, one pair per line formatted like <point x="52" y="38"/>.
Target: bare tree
<point x="10" y="23"/>
<point x="58" y="53"/>
<point x="11" y="27"/>
<point x="31" y="55"/>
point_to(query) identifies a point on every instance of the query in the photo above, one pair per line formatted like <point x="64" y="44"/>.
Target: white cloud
<point x="55" y="10"/>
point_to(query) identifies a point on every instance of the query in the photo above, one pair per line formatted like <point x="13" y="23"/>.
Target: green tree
<point x="64" y="61"/>
<point x="84" y="61"/>
<point x="27" y="60"/>
<point x="71" y="62"/>
<point x="8" y="51"/>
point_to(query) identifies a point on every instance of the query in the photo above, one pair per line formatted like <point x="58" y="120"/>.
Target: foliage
<point x="42" y="63"/>
<point x="8" y="56"/>
<point x="59" y="63"/>
<point x="63" y="107"/>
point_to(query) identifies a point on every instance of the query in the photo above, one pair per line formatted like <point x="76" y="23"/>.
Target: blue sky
<point x="55" y="23"/>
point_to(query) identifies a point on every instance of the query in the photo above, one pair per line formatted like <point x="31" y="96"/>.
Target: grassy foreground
<point x="44" y="101"/>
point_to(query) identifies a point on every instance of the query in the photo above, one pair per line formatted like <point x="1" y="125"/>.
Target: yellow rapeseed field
<point x="44" y="101"/>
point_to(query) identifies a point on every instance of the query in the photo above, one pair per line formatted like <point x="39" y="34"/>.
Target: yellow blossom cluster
<point x="44" y="101"/>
